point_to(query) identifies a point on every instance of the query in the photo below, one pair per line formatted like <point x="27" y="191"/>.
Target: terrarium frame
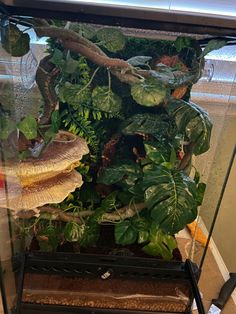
<point x="26" y="261"/>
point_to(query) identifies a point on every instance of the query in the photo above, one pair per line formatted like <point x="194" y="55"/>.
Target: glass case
<point x="112" y="117"/>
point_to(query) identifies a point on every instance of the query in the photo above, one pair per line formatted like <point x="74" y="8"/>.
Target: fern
<point x="78" y="125"/>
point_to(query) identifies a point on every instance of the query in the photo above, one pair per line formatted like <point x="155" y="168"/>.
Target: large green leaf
<point x="74" y="94"/>
<point x="73" y="232"/>
<point x="7" y="126"/>
<point x="111" y="38"/>
<point x="105" y="100"/>
<point x="193" y="122"/>
<point x="213" y="45"/>
<point x="171" y="197"/>
<point x="128" y="172"/>
<point x="160" y="243"/>
<point x="28" y="126"/>
<point x="149" y="92"/>
<point x="16" y="42"/>
<point x="148" y="123"/>
<point x="125" y="233"/>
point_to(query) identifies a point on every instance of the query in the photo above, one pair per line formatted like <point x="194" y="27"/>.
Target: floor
<point x="211" y="279"/>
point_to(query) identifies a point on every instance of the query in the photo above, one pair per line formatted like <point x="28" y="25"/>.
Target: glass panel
<point x="104" y="153"/>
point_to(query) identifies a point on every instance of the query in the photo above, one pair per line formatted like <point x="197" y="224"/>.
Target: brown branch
<point x="45" y="77"/>
<point x="56" y="214"/>
<point x="93" y="56"/>
<point x="67" y="35"/>
<point x="123" y="213"/>
<point x="127" y="211"/>
<point x="188" y="149"/>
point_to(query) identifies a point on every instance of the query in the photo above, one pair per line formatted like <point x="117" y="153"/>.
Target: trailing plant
<point x="142" y="130"/>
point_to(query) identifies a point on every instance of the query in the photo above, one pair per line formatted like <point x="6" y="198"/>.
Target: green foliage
<point x="85" y="30"/>
<point x="213" y="45"/>
<point x="105" y="100"/>
<point x="125" y="233"/>
<point x="161" y="244"/>
<point x="111" y="38"/>
<point x="128" y="172"/>
<point x="15" y="42"/>
<point x="149" y="92"/>
<point x="193" y="122"/>
<point x="48" y="236"/>
<point x="170" y="196"/>
<point x="75" y="95"/>
<point x="28" y="126"/>
<point x="7" y="126"/>
<point x="148" y="123"/>
<point x="182" y="42"/>
<point x="73" y="232"/>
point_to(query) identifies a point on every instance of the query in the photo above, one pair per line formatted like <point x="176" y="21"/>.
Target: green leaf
<point x="73" y="232"/>
<point x="15" y="42"/>
<point x="105" y="100"/>
<point x="148" y="123"/>
<point x="125" y="233"/>
<point x="58" y="58"/>
<point x="129" y="172"/>
<point x="143" y="236"/>
<point x="70" y="65"/>
<point x="91" y="234"/>
<point x="193" y="122"/>
<point x="86" y="30"/>
<point x="213" y="45"/>
<point x="139" y="60"/>
<point x="111" y="38"/>
<point x="158" y="152"/>
<point x="51" y="238"/>
<point x="170" y="195"/>
<point x="200" y="192"/>
<point x="109" y="202"/>
<point x="149" y="92"/>
<point x="7" y="126"/>
<point x="56" y="121"/>
<point x="74" y="94"/>
<point x="28" y="126"/>
<point x="182" y="42"/>
<point x="160" y="243"/>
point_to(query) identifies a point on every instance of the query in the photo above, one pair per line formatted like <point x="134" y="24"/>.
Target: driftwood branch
<point x="125" y="212"/>
<point x="76" y="43"/>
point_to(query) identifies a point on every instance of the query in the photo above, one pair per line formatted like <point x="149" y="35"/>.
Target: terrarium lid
<point x="206" y="14"/>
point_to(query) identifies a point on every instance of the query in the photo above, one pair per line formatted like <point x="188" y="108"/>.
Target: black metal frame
<point x="124" y="17"/>
<point x="71" y="264"/>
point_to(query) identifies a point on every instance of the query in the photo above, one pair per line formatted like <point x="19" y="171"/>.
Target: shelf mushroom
<point x="48" y="179"/>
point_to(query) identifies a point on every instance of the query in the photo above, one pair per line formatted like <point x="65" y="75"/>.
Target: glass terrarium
<point x="108" y="154"/>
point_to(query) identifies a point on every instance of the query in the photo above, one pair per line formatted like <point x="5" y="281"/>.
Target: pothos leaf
<point x="58" y="58"/>
<point x="182" y="42"/>
<point x="105" y="100"/>
<point x="139" y="60"/>
<point x="111" y="38"/>
<point x="148" y="123"/>
<point x="74" y="94"/>
<point x="213" y="45"/>
<point x="73" y="231"/>
<point x="7" y="126"/>
<point x="28" y="126"/>
<point x="130" y="172"/>
<point x="86" y="30"/>
<point x="16" y="42"/>
<point x="160" y="243"/>
<point x="193" y="122"/>
<point x="125" y="233"/>
<point x="171" y="197"/>
<point x="149" y="92"/>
